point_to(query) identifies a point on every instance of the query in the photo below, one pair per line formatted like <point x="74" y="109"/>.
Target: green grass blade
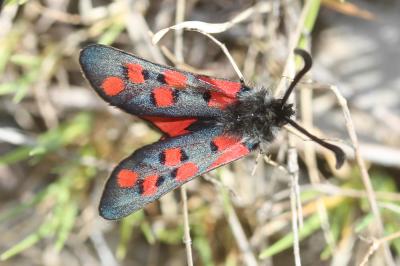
<point x="311" y="225"/>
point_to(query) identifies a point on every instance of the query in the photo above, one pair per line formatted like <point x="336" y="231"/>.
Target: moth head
<point x="283" y="112"/>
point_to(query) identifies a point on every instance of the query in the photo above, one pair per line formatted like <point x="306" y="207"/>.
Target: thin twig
<point x="293" y="169"/>
<point x="292" y="153"/>
<point x="186" y="237"/>
<point x="293" y="41"/>
<point x="54" y="14"/>
<point x="332" y="190"/>
<point x="295" y="202"/>
<point x="364" y="173"/>
<point x="179" y="17"/>
<point x="241" y="239"/>
<point x="209" y="28"/>
<point x="213" y="28"/>
<point x="178" y="51"/>
<point x="253" y="172"/>
<point x="275" y="164"/>
<point x="138" y="31"/>
<point x="227" y="54"/>
<point x="217" y="183"/>
<point x="103" y="251"/>
<point x="156" y="38"/>
<point x="376" y="243"/>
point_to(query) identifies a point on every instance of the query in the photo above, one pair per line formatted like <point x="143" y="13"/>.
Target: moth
<point x="206" y="122"/>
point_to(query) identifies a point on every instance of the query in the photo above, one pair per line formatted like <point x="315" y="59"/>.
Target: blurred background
<point x="59" y="141"/>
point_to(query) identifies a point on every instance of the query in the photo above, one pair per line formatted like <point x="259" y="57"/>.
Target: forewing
<point x="141" y="87"/>
<point x="158" y="168"/>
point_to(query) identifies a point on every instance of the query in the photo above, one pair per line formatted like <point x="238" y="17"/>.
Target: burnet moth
<point x="207" y="122"/>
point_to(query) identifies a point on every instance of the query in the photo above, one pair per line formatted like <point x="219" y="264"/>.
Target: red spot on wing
<point x="163" y="96"/>
<point x="149" y="185"/>
<point x="219" y="100"/>
<point x="230" y="154"/>
<point x="172" y="156"/>
<point x="135" y="73"/>
<point x="126" y="178"/>
<point x="186" y="171"/>
<point x="224" y="142"/>
<point x="175" y="79"/>
<point x="112" y="86"/>
<point x="172" y="126"/>
<point x="228" y="88"/>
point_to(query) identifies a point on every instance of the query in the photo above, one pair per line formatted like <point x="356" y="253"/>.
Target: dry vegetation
<point x="59" y="141"/>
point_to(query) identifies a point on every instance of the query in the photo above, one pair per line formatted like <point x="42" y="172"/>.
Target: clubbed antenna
<point x="339" y="154"/>
<point x="307" y="66"/>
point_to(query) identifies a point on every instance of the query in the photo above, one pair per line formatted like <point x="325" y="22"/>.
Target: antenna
<point x="307" y="66"/>
<point x="339" y="154"/>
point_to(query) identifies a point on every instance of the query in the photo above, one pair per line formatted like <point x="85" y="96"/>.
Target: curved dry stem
<point x="364" y="173"/>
